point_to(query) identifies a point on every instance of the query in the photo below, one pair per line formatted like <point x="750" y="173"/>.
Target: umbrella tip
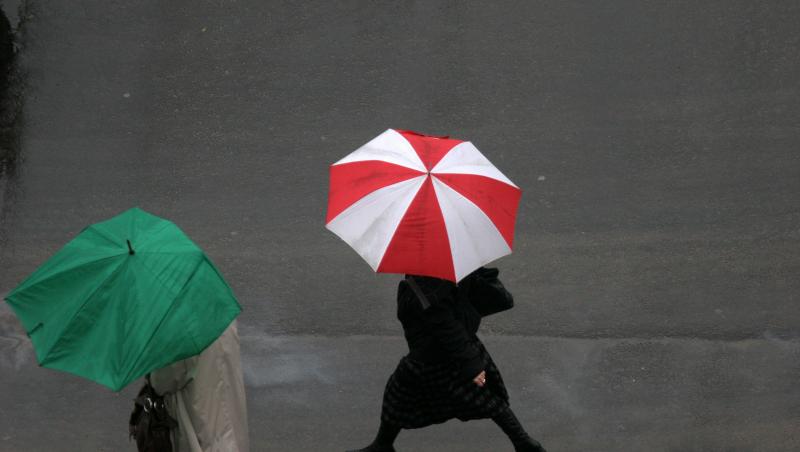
<point x="130" y="248"/>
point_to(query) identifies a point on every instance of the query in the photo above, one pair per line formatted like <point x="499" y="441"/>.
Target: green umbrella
<point x="126" y="296"/>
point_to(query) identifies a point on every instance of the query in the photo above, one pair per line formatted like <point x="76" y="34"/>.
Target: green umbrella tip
<point x="130" y="248"/>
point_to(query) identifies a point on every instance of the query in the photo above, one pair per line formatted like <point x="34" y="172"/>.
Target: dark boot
<point x="529" y="445"/>
<point x="375" y="448"/>
<point x="519" y="437"/>
<point x="387" y="433"/>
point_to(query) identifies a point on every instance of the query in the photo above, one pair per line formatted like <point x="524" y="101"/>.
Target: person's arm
<point x="486" y="293"/>
<point x="173" y="378"/>
<point x="450" y="334"/>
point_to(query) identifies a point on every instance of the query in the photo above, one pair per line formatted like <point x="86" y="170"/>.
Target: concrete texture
<point x="656" y="144"/>
<point x="316" y="393"/>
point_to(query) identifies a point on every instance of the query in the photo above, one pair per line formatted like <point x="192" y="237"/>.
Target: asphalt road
<point x="656" y="254"/>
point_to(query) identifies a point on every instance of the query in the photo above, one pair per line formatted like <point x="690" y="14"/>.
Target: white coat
<point x="205" y="394"/>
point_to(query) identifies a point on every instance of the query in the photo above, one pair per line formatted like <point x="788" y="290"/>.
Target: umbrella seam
<point x="378" y="217"/>
<point x="48" y="278"/>
<point x="158" y="276"/>
<point x="428" y="179"/>
<point x="166" y="314"/>
<point x="444" y="183"/>
<point x="102" y="234"/>
<point x="77" y="311"/>
<point x="399" y="222"/>
<point x="153" y="233"/>
<point x="461" y="218"/>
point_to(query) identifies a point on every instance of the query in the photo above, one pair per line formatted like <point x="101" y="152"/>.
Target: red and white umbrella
<point x="422" y="205"/>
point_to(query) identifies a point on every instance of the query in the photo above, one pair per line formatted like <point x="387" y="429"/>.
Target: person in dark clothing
<point x="447" y="373"/>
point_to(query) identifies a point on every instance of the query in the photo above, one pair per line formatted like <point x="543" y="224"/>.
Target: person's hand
<point x="480" y="380"/>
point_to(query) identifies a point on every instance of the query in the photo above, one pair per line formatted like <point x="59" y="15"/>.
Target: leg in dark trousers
<point x="387" y="433"/>
<point x="518" y="436"/>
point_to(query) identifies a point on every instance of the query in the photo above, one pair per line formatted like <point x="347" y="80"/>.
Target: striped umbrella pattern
<point x="422" y="205"/>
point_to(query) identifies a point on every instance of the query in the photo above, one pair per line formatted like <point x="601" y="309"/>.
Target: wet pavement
<point x="656" y="254"/>
<point x="10" y="108"/>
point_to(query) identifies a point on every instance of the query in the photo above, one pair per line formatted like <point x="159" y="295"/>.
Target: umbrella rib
<point x="150" y="234"/>
<point x="102" y="234"/>
<point x="472" y="244"/>
<point x="77" y="311"/>
<point x="160" y="322"/>
<point x="352" y="241"/>
<point x="398" y="164"/>
<point x="48" y="278"/>
<point x="156" y="275"/>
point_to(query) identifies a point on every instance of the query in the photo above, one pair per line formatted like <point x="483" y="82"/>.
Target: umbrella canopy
<point x="126" y="296"/>
<point x="422" y="205"/>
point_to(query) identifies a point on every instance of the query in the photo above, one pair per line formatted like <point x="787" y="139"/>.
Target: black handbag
<point x="485" y="291"/>
<point x="150" y="423"/>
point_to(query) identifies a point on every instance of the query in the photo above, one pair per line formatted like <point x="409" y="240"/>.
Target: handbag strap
<point x="421" y="296"/>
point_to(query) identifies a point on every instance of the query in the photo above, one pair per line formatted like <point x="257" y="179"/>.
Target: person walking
<point x="205" y="394"/>
<point x="448" y="373"/>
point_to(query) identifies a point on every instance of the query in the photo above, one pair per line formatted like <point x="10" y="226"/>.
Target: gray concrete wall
<point x="656" y="144"/>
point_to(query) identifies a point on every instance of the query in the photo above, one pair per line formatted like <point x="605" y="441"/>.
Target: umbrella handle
<point x="423" y="300"/>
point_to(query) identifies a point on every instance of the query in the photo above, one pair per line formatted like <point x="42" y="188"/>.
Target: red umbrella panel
<point x="422" y="205"/>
